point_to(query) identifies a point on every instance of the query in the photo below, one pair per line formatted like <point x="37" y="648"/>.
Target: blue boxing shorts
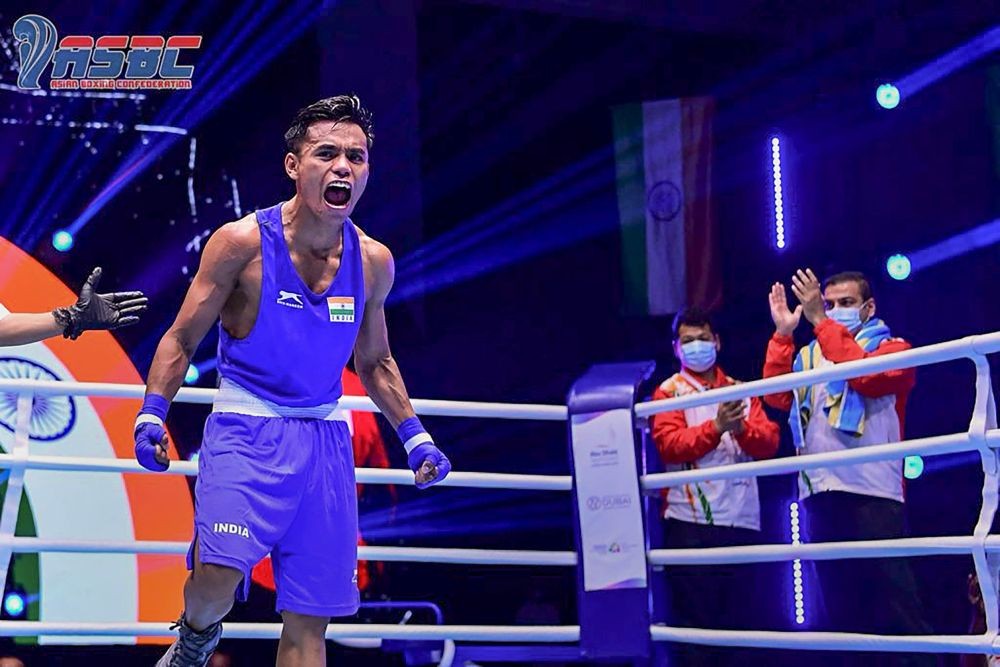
<point x="283" y="486"/>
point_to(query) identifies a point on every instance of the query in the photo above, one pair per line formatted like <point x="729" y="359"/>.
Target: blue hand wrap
<point x="149" y="431"/>
<point x="419" y="448"/>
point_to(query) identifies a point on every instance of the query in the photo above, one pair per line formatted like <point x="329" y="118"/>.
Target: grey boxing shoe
<point x="192" y="649"/>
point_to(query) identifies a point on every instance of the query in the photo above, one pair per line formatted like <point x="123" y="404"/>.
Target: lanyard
<point x="697" y="386"/>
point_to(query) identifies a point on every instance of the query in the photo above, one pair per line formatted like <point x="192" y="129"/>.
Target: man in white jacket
<point x="712" y="513"/>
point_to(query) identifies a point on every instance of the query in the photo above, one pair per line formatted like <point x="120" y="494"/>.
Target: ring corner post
<point x="612" y="577"/>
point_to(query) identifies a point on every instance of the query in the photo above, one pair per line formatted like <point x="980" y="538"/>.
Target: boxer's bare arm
<point x="226" y="254"/>
<point x="372" y="357"/>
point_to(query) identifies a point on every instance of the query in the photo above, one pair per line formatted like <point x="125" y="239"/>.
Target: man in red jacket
<point x="713" y="513"/>
<point x="855" y="502"/>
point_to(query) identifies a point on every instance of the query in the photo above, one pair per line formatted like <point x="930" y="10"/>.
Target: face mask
<point x="849" y="317"/>
<point x="698" y="355"/>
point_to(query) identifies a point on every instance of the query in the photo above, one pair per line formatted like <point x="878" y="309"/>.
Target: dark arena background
<point x="861" y="136"/>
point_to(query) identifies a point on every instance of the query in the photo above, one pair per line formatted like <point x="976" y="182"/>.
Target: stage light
<point x="14" y="604"/>
<point x="779" y="206"/>
<point x="898" y="267"/>
<point x="62" y="240"/>
<point x="887" y="96"/>
<point x="797" y="586"/>
<point x="237" y="209"/>
<point x="192" y="374"/>
<point x="913" y="467"/>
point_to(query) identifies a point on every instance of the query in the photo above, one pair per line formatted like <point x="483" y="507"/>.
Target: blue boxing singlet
<point x="296" y="351"/>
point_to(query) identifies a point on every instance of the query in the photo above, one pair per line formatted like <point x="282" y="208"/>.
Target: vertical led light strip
<point x="779" y="206"/>
<point x="192" y="152"/>
<point x="797" y="587"/>
<point x="237" y="209"/>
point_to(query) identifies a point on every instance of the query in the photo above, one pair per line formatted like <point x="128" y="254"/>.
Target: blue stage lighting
<point x="797" y="578"/>
<point x="192" y="374"/>
<point x="898" y="267"/>
<point x="913" y="467"/>
<point x="887" y="96"/>
<point x="960" y="56"/>
<point x="62" y="240"/>
<point x="564" y="217"/>
<point x="971" y="240"/>
<point x="14" y="604"/>
<point x="779" y="202"/>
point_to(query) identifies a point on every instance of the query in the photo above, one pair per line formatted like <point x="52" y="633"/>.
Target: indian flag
<point x="663" y="153"/>
<point x="341" y="308"/>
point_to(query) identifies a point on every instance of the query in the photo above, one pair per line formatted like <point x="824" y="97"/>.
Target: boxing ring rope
<point x="983" y="436"/>
<point x="423" y="406"/>
<point x="372" y="553"/>
<point x="491" y="633"/>
<point x="970" y="347"/>
<point x="480" y="480"/>
<point x="534" y="634"/>
<point x="772" y="553"/>
<point x="829" y="641"/>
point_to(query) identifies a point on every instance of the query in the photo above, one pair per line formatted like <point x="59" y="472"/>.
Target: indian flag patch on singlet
<point x="341" y="308"/>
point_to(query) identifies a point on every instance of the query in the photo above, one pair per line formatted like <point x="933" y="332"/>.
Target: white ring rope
<point x="448" y="654"/>
<point x="823" y="641"/>
<point x="770" y="553"/>
<point x="422" y="406"/>
<point x="939" y="444"/>
<point x="482" y="633"/>
<point x="757" y="553"/>
<point x="968" y="347"/>
<point x="480" y="480"/>
<point x="924" y="446"/>
<point x="359" y="643"/>
<point x="368" y="553"/>
<point x="535" y="634"/>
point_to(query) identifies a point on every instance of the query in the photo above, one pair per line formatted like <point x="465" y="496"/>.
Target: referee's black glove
<point x="100" y="311"/>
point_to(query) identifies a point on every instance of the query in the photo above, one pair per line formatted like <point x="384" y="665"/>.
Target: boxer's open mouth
<point x="337" y="194"/>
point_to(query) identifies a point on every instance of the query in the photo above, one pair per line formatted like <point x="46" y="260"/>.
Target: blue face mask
<point x="849" y="317"/>
<point x="698" y="355"/>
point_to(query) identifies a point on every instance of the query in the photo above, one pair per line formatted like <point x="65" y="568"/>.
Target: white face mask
<point x="698" y="355"/>
<point x="850" y="317"/>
